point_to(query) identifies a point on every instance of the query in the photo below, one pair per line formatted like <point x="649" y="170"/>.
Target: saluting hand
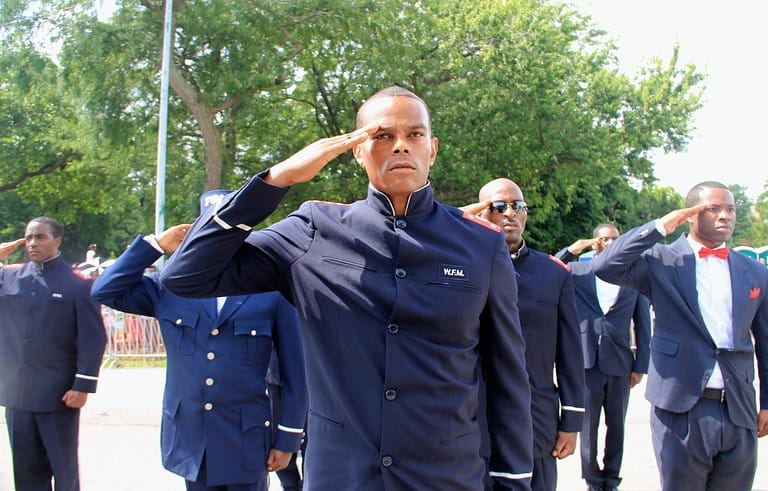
<point x="477" y="209"/>
<point x="171" y="238"/>
<point x="580" y="245"/>
<point x="675" y="218"/>
<point x="6" y="248"/>
<point x="307" y="162"/>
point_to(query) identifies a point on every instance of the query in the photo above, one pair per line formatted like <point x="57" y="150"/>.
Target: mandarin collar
<point x="420" y="201"/>
<point x="49" y="264"/>
<point x="522" y="252"/>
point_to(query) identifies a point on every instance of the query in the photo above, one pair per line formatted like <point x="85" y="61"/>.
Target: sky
<point x="725" y="40"/>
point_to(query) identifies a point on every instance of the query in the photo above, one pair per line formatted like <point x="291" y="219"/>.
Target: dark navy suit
<point x="397" y="314"/>
<point x="215" y="406"/>
<point x="551" y="331"/>
<point x="52" y="339"/>
<point x="683" y="355"/>
<point x="609" y="361"/>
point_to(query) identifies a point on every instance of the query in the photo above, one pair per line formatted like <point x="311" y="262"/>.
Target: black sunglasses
<point x="518" y="206"/>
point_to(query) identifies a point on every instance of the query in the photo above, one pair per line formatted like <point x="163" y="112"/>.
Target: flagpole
<point x="162" y="132"/>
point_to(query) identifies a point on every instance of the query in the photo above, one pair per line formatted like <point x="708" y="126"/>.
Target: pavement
<point x="120" y="441"/>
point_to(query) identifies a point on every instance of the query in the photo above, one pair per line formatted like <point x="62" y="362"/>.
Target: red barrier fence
<point x="130" y="335"/>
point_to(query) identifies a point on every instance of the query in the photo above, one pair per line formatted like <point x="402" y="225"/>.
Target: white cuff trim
<point x="227" y="226"/>
<point x="290" y="429"/>
<point x="221" y="222"/>
<point x="508" y="475"/>
<point x="574" y="409"/>
<point x="86" y="377"/>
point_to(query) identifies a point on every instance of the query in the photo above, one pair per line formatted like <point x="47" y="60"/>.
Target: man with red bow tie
<point x="701" y="376"/>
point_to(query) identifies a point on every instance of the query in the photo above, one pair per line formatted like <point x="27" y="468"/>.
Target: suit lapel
<point x="231" y="305"/>
<point x="739" y="300"/>
<point x="686" y="276"/>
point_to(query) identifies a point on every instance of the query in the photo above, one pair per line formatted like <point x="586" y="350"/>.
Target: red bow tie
<point x="722" y="253"/>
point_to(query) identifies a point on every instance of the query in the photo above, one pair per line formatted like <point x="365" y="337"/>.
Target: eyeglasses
<point x="518" y="206"/>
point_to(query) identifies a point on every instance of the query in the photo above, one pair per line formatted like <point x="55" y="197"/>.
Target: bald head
<point x="500" y="184"/>
<point x="512" y="222"/>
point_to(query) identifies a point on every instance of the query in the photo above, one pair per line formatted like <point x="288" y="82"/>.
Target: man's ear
<point x="357" y="151"/>
<point x="433" y="154"/>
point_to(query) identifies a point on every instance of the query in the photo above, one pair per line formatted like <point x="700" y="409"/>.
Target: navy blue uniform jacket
<point x="52" y="336"/>
<point x="396" y="313"/>
<point x="551" y="332"/>
<point x="605" y="337"/>
<point x="683" y="353"/>
<point x="215" y="397"/>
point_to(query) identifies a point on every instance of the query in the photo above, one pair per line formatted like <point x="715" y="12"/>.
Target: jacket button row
<point x="209" y="382"/>
<point x="390" y="394"/>
<point x="211" y="355"/>
<point x="393" y="328"/>
<point x="208" y="406"/>
<point x="386" y="461"/>
<point x="215" y="332"/>
<point x="400" y="273"/>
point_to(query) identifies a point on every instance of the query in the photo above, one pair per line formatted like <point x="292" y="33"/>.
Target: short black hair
<point x="602" y="226"/>
<point x="693" y="198"/>
<point x="393" y="91"/>
<point x="56" y="228"/>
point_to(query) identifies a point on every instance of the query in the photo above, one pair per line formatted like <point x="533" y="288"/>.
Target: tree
<point x="525" y="89"/>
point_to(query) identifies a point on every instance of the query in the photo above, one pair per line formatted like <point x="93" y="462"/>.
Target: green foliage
<point x="526" y="89"/>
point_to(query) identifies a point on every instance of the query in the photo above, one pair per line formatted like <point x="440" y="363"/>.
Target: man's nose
<point x="400" y="145"/>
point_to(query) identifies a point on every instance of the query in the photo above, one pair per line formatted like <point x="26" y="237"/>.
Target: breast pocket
<point x="181" y="328"/>
<point x="253" y="341"/>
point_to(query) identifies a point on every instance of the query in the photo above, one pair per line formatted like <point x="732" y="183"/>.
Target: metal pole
<point x="162" y="131"/>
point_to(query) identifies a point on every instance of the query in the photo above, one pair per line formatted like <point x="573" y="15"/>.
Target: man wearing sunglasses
<point x="551" y="331"/>
<point x="608" y="315"/>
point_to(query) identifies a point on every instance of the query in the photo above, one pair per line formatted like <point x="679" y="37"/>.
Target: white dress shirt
<point x="713" y="285"/>
<point x="607" y="293"/>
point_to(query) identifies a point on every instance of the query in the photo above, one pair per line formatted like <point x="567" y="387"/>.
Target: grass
<point x="134" y="362"/>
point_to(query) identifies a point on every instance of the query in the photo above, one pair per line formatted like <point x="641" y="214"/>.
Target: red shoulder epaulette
<point x="485" y="223"/>
<point x="557" y="261"/>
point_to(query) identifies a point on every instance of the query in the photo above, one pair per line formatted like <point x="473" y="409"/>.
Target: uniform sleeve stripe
<point x="574" y="409"/>
<point x="289" y="429"/>
<point x="221" y="222"/>
<point x="509" y="475"/>
<point x="227" y="226"/>
<point x="86" y="377"/>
